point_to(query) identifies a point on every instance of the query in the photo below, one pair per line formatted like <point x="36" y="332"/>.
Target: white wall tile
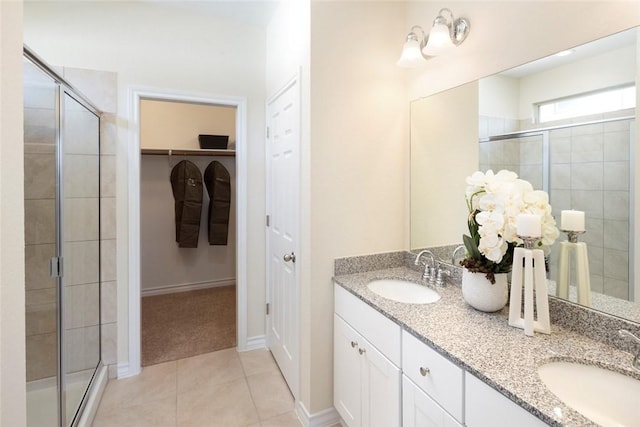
<point x="616" y="235"/>
<point x="81" y="220"/>
<point x="81" y="305"/>
<point x="37" y="273"/>
<point x="108" y="218"/>
<point x="587" y="176"/>
<point x="616" y="205"/>
<point x="616" y="176"/>
<point x="589" y="201"/>
<point x="587" y="148"/>
<point x="39" y="221"/>
<point x="81" y="263"/>
<point x="616" y="146"/>
<point x="560" y="178"/>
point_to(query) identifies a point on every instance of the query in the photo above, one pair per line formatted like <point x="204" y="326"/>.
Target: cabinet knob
<point x="354" y="344"/>
<point x="362" y="351"/>
<point x="424" y="371"/>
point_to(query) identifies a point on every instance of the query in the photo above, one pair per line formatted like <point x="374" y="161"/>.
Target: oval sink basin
<point x="605" y="397"/>
<point x="403" y="291"/>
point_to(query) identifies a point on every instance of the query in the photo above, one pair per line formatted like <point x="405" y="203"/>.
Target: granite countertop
<point x="487" y="347"/>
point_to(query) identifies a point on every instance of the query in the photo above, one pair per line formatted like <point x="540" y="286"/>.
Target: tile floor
<point x="223" y="388"/>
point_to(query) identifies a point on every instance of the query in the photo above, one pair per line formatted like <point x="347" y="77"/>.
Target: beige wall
<point x="359" y="155"/>
<point x="177" y="124"/>
<point x="12" y="299"/>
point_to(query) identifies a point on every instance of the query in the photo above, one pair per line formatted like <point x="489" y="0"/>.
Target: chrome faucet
<point x="439" y="274"/>
<point x="429" y="270"/>
<point x="626" y="334"/>
<point x="455" y="254"/>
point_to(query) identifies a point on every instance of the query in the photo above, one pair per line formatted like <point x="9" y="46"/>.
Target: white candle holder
<point x="572" y="249"/>
<point x="529" y="268"/>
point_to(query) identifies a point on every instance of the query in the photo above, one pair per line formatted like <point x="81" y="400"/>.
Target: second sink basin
<point x="403" y="291"/>
<point x="605" y="397"/>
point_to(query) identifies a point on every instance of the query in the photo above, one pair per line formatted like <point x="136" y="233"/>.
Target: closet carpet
<point x="185" y="324"/>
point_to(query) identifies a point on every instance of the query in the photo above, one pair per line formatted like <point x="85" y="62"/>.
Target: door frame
<point x="295" y="80"/>
<point x="136" y="95"/>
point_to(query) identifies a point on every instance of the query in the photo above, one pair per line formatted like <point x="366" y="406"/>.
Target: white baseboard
<point x="326" y="418"/>
<point x="125" y="370"/>
<point x="254" y="343"/>
<point x="184" y="287"/>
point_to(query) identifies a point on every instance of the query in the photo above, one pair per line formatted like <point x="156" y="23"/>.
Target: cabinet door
<point x="418" y="410"/>
<point x="380" y="389"/>
<point x="347" y="394"/>
<point x="487" y="407"/>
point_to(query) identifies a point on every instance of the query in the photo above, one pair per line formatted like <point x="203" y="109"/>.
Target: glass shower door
<point x="41" y="303"/>
<point x="80" y="247"/>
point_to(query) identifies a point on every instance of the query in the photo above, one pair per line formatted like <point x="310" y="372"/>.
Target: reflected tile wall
<point x="590" y="171"/>
<point x="589" y="166"/>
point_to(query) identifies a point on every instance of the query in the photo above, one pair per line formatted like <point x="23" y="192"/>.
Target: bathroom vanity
<point x="446" y="364"/>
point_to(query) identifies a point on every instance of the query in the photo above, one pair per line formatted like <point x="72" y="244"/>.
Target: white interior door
<point x="283" y="140"/>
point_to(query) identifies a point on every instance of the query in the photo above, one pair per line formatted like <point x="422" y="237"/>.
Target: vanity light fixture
<point x="446" y="33"/>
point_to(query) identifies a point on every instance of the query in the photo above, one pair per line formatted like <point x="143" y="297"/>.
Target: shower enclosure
<point x="584" y="165"/>
<point x="62" y="246"/>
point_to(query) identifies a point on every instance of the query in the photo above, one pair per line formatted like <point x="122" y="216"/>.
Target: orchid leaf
<point x="472" y="247"/>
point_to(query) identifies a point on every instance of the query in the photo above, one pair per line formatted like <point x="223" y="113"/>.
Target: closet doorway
<point x="187" y="270"/>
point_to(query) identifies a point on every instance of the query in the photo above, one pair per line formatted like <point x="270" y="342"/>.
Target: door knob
<point x="289" y="257"/>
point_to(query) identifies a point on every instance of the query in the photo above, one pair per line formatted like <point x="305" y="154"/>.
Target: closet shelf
<point x="186" y="152"/>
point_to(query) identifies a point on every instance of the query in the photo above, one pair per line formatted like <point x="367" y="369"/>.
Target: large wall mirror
<point x="536" y="120"/>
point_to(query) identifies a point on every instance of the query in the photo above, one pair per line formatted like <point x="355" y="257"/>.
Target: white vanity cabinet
<point x="366" y="373"/>
<point x="487" y="407"/>
<point x="438" y="392"/>
<point x="384" y="376"/>
<point x="419" y="410"/>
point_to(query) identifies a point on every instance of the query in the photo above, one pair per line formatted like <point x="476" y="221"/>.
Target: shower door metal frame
<point x="57" y="263"/>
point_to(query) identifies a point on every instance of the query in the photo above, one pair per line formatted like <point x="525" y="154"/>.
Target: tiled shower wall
<point x="590" y="171"/>
<point x="101" y="88"/>
<point x="589" y="168"/>
<point x="39" y="194"/>
<point x="39" y="129"/>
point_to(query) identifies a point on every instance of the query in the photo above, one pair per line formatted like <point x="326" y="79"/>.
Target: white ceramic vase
<point x="481" y="294"/>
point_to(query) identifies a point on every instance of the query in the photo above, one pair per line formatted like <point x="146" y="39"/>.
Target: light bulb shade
<point x="439" y="40"/>
<point x="411" y="56"/>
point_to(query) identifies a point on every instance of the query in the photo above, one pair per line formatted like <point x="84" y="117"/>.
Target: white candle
<point x="572" y="220"/>
<point x="529" y="225"/>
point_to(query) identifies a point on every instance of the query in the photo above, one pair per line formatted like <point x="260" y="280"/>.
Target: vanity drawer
<point x="434" y="374"/>
<point x="380" y="331"/>
<point x="487" y="407"/>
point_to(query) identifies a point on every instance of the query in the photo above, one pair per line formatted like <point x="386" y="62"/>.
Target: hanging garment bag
<point x="218" y="182"/>
<point x="186" y="183"/>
